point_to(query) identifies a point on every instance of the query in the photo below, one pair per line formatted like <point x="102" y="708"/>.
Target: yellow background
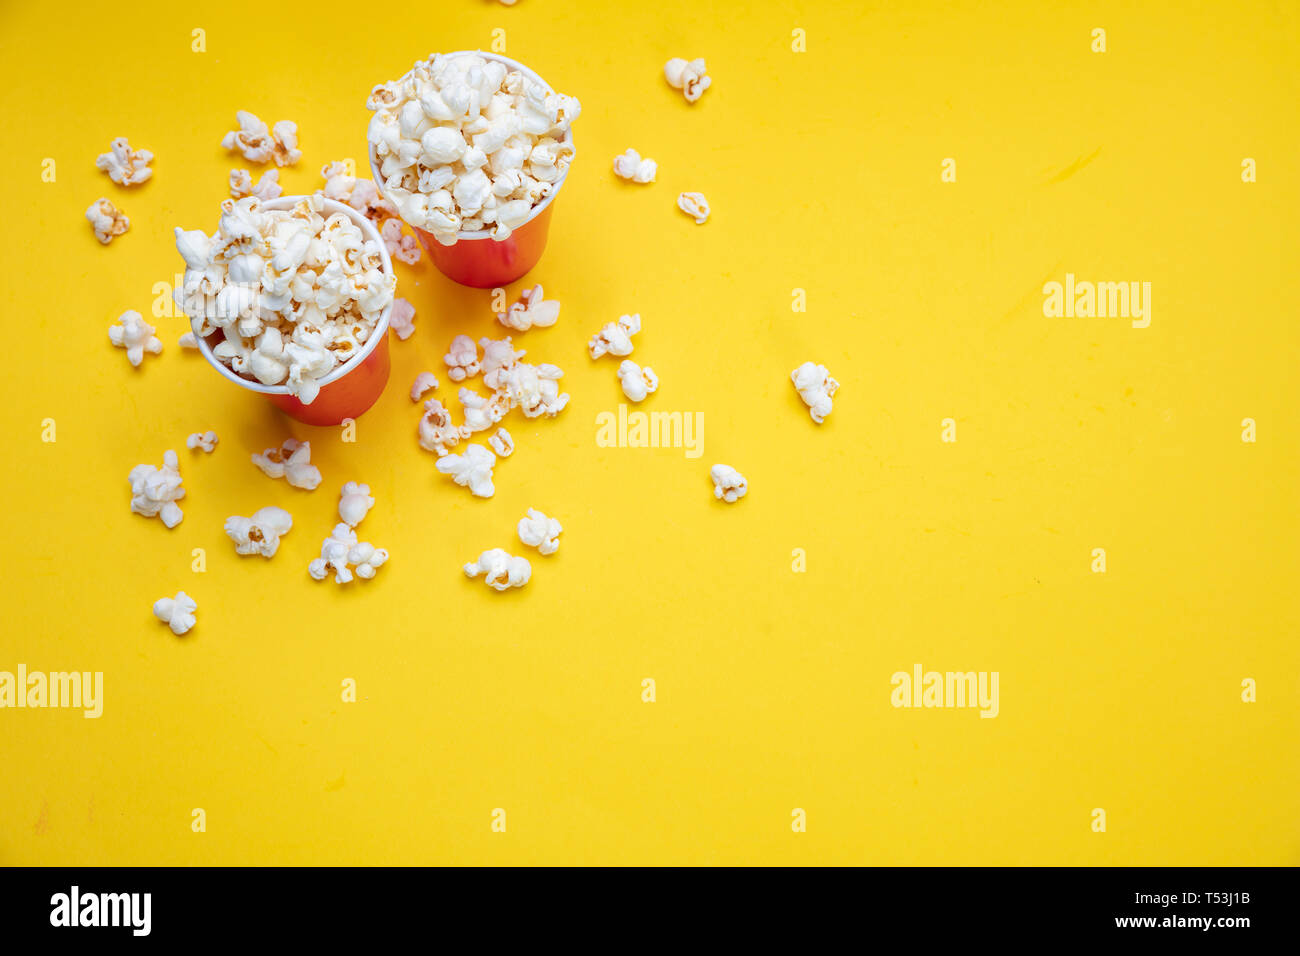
<point x="1119" y="691"/>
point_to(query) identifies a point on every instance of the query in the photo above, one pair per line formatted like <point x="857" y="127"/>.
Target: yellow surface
<point x="1118" y="691"/>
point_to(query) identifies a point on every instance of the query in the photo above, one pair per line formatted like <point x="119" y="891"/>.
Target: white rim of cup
<point x="537" y="210"/>
<point x="381" y="327"/>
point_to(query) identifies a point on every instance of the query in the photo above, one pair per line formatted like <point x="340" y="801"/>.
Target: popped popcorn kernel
<point x="260" y="145"/>
<point x="177" y="612"/>
<point x="500" y="570"/>
<point x="815" y="387"/>
<point x="260" y="533"/>
<point x="616" y="337"/>
<point x="404" y="247"/>
<point x="538" y="531"/>
<point x="355" y="503"/>
<point x="124" y="165"/>
<point x="472" y="470"/>
<point x="637" y="382"/>
<point x="689" y="77"/>
<point x="343" y="554"/>
<point x="461" y="359"/>
<point x="135" y="335"/>
<point x="502" y="443"/>
<point x="695" y="206"/>
<point x="267" y="187"/>
<point x="155" y="491"/>
<point x="106" y="220"/>
<point x="436" y="431"/>
<point x="424" y="382"/>
<point x="728" y="484"/>
<point x="202" y="441"/>
<point x="531" y="310"/>
<point x="292" y="462"/>
<point x="188" y="340"/>
<point x="631" y="166"/>
<point x="402" y="319"/>
<point x="464" y="143"/>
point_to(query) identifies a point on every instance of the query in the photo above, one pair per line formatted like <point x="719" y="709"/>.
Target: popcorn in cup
<point x="471" y="148"/>
<point x="291" y="298"/>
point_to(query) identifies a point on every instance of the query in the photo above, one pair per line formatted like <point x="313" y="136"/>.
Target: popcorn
<point x="155" y="491"/>
<point x="728" y="484"/>
<point x="135" y="335"/>
<point x="531" y="310"/>
<point x="500" y="570"/>
<point x="360" y="194"/>
<point x="261" y="533"/>
<point x="461" y="359"/>
<point x="177" y="613"/>
<point x="124" y="165"/>
<point x="292" y="462"/>
<point x="690" y="77"/>
<point x="481" y="412"/>
<point x="540" y="532"/>
<point x="355" y="503"/>
<point x="403" y="247"/>
<point x="342" y="549"/>
<point x="294" y="293"/>
<point x="815" y="387"/>
<point x="268" y="186"/>
<point x="402" y="319"/>
<point x="465" y="144"/>
<point x="188" y="340"/>
<point x="436" y="432"/>
<point x="106" y="220"/>
<point x="502" y="443"/>
<point x="424" y="382"/>
<point x="472" y="469"/>
<point x="616" y="337"/>
<point x="637" y="382"/>
<point x="260" y="145"/>
<point x="695" y="206"/>
<point x="207" y="441"/>
<point x="499" y="356"/>
<point x="533" y="389"/>
<point x="631" y="166"/>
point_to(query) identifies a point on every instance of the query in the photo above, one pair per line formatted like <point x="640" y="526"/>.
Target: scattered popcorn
<point x="124" y="165"/>
<point x="178" y="613"/>
<point x="342" y="549"/>
<point x="294" y="293"/>
<point x="531" y="310"/>
<point x="261" y="145"/>
<point x="695" y="206"/>
<point x="502" y="443"/>
<point x="472" y="469"/>
<point x="637" y="382"/>
<point x="341" y="185"/>
<point x="499" y="356"/>
<point x="465" y="144"/>
<point x="135" y="335"/>
<point x="155" y="491"/>
<point x="728" y="484"/>
<point x="616" y="337"/>
<point x="261" y="533"/>
<point x="355" y="503"/>
<point x="424" y="382"/>
<point x="815" y="387"/>
<point x="189" y="340"/>
<point x="689" y="77"/>
<point x="500" y="570"/>
<point x="206" y="441"/>
<point x="461" y="359"/>
<point x="481" y="412"/>
<point x="437" y="433"/>
<point x="292" y="462"/>
<point x="106" y="220"/>
<point x="533" y="389"/>
<point x="402" y="319"/>
<point x="404" y="247"/>
<point x="268" y="185"/>
<point x="540" y="532"/>
<point x="631" y="166"/>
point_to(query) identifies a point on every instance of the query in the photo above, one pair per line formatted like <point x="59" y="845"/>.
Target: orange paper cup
<point x="355" y="385"/>
<point x="477" y="259"/>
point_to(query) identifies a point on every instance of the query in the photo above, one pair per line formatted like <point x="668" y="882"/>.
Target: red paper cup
<point x="355" y="385"/>
<point x="477" y="259"/>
